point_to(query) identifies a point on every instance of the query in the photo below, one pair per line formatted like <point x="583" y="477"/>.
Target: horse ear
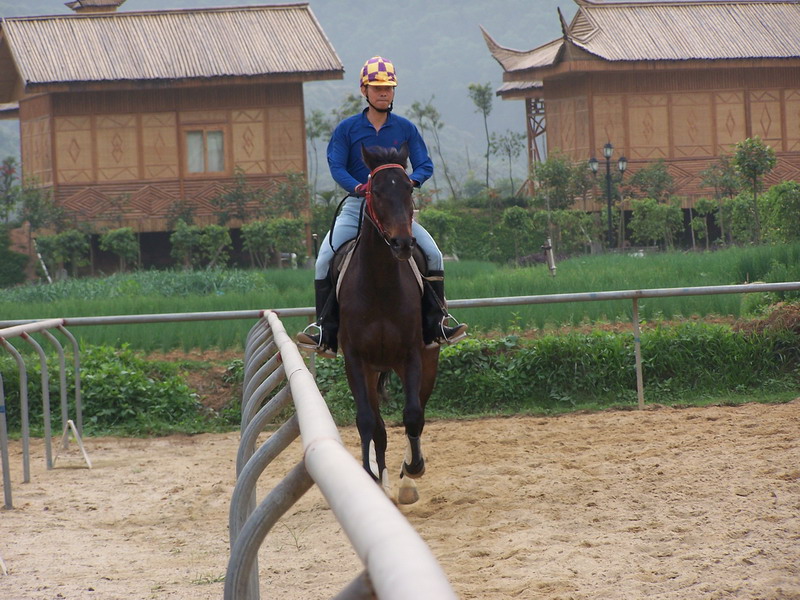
<point x="402" y="155"/>
<point x="368" y="157"/>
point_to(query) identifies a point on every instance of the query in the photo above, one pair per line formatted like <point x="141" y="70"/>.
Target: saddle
<point x="342" y="256"/>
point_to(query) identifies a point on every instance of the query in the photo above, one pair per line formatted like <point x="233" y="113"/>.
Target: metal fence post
<point x="637" y="351"/>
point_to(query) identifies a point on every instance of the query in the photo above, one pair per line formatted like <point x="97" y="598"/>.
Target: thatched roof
<point x="667" y="31"/>
<point x="269" y="43"/>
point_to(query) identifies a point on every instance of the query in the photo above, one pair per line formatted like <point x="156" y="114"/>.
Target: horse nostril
<point x="400" y="245"/>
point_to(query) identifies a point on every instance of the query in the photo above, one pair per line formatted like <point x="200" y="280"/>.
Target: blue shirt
<point x="344" y="149"/>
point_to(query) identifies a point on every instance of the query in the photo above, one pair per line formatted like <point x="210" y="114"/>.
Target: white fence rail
<point x="398" y="564"/>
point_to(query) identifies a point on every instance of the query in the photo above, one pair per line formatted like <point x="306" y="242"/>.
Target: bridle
<point x="369" y="208"/>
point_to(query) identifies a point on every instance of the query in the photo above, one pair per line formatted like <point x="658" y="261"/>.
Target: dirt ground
<point x="661" y="504"/>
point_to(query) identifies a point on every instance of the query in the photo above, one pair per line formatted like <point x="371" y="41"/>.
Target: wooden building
<point x="127" y="115"/>
<point x="681" y="81"/>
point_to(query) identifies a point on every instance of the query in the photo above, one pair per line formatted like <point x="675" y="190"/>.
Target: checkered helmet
<point x="378" y="71"/>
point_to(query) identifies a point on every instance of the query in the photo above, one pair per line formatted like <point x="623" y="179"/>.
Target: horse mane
<point x="382" y="155"/>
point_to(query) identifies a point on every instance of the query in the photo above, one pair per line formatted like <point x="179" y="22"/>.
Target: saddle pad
<point x="342" y="261"/>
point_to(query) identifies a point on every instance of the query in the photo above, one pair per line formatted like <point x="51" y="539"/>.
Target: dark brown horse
<point x="380" y="319"/>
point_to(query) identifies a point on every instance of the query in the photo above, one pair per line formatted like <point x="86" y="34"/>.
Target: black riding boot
<point x="435" y="330"/>
<point x="325" y="342"/>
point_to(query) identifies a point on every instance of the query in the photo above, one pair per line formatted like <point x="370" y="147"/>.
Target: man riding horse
<point x="376" y="125"/>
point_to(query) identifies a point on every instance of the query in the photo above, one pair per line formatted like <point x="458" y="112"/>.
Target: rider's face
<point x="379" y="95"/>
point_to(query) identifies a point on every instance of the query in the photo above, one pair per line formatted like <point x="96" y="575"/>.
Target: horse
<point x="380" y="319"/>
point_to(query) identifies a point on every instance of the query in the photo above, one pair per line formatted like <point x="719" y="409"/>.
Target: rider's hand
<point x="360" y="191"/>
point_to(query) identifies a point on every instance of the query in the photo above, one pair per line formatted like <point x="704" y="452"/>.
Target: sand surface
<point x="697" y="503"/>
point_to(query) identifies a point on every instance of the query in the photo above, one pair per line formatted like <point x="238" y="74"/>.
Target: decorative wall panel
<point x="248" y="141"/>
<point x="37" y="159"/>
<point x="117" y="148"/>
<point x="792" y="103"/>
<point x="285" y="132"/>
<point x="692" y="125"/>
<point x="765" y="117"/>
<point x="729" y="120"/>
<point x="73" y="142"/>
<point x="609" y="124"/>
<point x="159" y="145"/>
<point x="648" y="125"/>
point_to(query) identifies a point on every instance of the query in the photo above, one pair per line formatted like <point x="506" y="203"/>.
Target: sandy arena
<point x="697" y="503"/>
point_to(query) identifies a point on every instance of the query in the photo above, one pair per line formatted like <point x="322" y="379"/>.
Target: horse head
<point x="390" y="206"/>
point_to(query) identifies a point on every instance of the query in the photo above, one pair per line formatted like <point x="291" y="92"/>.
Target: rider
<point x="376" y="125"/>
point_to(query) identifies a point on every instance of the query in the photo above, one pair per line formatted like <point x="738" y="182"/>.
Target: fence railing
<point x="398" y="564"/>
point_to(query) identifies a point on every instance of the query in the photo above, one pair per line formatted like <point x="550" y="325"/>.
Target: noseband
<point x="370" y="203"/>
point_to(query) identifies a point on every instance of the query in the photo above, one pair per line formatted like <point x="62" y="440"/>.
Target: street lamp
<point x="608" y="151"/>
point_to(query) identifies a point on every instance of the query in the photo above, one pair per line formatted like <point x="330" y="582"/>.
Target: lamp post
<point x="608" y="151"/>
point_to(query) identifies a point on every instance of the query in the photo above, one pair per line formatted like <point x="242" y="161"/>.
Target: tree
<point x="233" y="202"/>
<point x="519" y="222"/>
<point x="123" y="243"/>
<point x="39" y="209"/>
<point x="441" y="225"/>
<point x="429" y="120"/>
<point x="185" y="241"/>
<point x="291" y="196"/>
<point x="68" y="248"/>
<point x="753" y="160"/>
<point x="9" y="190"/>
<point x="180" y="211"/>
<point x="215" y="245"/>
<point x="554" y="177"/>
<point x="318" y="126"/>
<point x="287" y="236"/>
<point x="781" y="208"/>
<point x="256" y="240"/>
<point x="481" y="96"/>
<point x="510" y="145"/>
<point x="653" y="222"/>
<point x="704" y="207"/>
<point x="726" y="183"/>
<point x="653" y="181"/>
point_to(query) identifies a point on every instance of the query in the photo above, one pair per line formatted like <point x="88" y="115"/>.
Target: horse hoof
<point x="415" y="472"/>
<point x="387" y="487"/>
<point x="407" y="494"/>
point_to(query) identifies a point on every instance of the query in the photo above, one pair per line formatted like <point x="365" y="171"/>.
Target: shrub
<point x="122" y="393"/>
<point x="12" y="264"/>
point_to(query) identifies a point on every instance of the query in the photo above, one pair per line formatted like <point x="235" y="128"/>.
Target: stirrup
<point x="313" y="342"/>
<point x="457" y="332"/>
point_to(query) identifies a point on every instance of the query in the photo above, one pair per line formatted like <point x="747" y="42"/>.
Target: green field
<point x="149" y="292"/>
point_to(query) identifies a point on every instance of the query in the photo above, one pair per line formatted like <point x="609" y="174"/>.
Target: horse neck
<point x="374" y="256"/>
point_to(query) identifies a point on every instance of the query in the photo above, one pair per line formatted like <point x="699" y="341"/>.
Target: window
<point x="205" y="151"/>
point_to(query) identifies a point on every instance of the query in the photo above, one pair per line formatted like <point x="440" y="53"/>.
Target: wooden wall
<point x="118" y="159"/>
<point x="687" y="119"/>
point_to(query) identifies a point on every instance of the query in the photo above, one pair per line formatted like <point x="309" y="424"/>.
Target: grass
<point x="228" y="290"/>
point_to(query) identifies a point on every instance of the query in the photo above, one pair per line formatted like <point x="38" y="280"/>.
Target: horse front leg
<point x="364" y="385"/>
<point x="414" y="421"/>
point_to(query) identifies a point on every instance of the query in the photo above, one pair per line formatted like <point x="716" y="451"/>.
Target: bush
<point x="121" y="392"/>
<point x="12" y="264"/>
<point x="555" y="374"/>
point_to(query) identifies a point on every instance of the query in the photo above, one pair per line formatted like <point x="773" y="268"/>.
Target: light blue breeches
<point x="346" y="228"/>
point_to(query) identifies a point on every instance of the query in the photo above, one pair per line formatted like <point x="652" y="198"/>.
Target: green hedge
<point x="124" y="394"/>
<point x="121" y="392"/>
<point x="595" y="370"/>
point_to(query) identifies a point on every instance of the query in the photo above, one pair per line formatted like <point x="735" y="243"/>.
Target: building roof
<point x="283" y="42"/>
<point x="668" y="31"/>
